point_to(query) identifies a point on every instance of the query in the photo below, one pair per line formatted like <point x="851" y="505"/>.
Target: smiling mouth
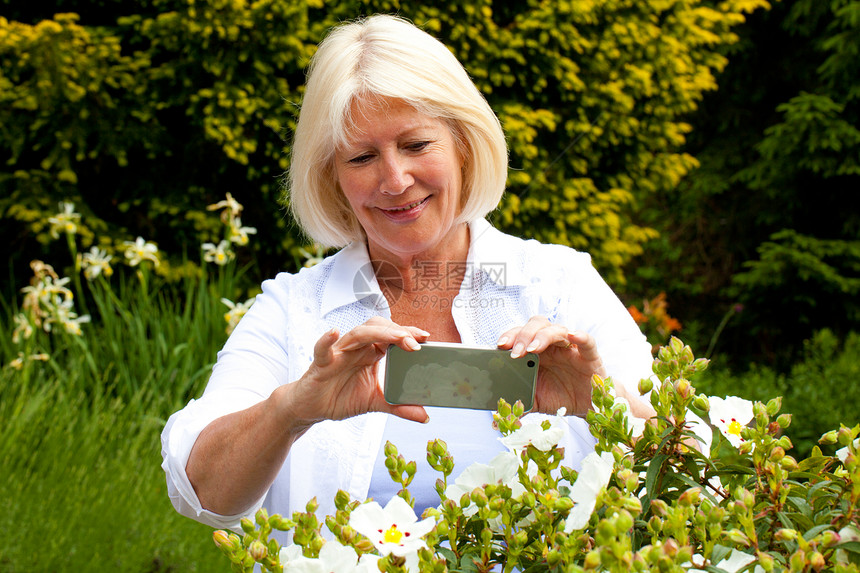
<point x="407" y="207"/>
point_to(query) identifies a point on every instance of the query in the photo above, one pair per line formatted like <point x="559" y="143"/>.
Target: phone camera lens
<point x="531" y="363"/>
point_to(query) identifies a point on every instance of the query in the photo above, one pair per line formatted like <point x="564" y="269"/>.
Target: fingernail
<point x="423" y="332"/>
<point x="426" y="420"/>
<point x="532" y="346"/>
<point x="518" y="350"/>
<point x="502" y="341"/>
<point x="413" y="344"/>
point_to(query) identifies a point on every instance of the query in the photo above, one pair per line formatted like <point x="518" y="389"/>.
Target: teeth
<point x="410" y="206"/>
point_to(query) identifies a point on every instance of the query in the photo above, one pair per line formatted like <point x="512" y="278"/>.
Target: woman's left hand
<point x="568" y="360"/>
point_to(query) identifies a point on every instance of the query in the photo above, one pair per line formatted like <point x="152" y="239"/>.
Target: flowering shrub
<point x="658" y="496"/>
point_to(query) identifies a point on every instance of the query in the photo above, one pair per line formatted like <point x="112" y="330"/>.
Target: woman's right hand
<point x="342" y="382"/>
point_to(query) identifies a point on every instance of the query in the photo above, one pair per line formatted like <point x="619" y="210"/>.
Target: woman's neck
<point x="440" y="268"/>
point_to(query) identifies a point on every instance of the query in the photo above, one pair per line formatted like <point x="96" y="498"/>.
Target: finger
<point x="585" y="344"/>
<point x="323" y="348"/>
<point x="378" y="334"/>
<point x="530" y="339"/>
<point x="413" y="413"/>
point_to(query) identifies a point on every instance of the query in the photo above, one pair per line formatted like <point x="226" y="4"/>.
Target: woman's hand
<point x="341" y="382"/>
<point x="568" y="360"/>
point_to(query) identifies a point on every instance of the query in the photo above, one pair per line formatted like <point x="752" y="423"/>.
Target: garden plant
<point x="656" y="496"/>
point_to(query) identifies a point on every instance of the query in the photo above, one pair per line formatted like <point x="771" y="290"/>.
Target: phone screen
<point x="458" y="376"/>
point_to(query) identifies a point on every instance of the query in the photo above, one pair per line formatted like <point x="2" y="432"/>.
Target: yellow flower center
<point x="392" y="535"/>
<point x="734" y="427"/>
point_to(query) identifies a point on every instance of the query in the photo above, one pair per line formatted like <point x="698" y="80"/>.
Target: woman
<point x="398" y="158"/>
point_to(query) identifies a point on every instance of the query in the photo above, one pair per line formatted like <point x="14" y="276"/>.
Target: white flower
<point x="236" y="312"/>
<point x="139" y="250"/>
<point x="238" y="233"/>
<point x="233" y="208"/>
<point x="220" y="254"/>
<point x="333" y="557"/>
<point x="502" y="469"/>
<point x="63" y="315"/>
<point x="96" y="262"/>
<point x="729" y="415"/>
<point x="394" y="529"/>
<point x="314" y="258"/>
<point x="734" y="561"/>
<point x="536" y="435"/>
<point x="65" y="221"/>
<point x="23" y="328"/>
<point x="842" y="453"/>
<point x="593" y="477"/>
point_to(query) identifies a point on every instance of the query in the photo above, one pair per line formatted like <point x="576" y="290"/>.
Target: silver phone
<point x="459" y="376"/>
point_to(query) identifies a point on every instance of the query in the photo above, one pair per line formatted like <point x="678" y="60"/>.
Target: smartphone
<point x="459" y="376"/>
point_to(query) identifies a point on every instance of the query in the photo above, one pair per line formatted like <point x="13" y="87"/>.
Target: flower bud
<point x="221" y="539"/>
<point x="262" y="516"/>
<point x="479" y="497"/>
<point x="645" y="386"/>
<point x="828" y="439"/>
<point x="632" y="504"/>
<point x="765" y="560"/>
<point x="364" y="546"/>
<point x="670" y="548"/>
<point x="623" y="521"/>
<point x="689" y="497"/>
<point x="774" y="406"/>
<point x="777" y="454"/>
<point x="759" y="411"/>
<point x="592" y="560"/>
<point x="701" y="402"/>
<point x="843" y="436"/>
<point x="785" y="535"/>
<point x="659" y="507"/>
<point x="784" y="420"/>
<point x="247" y="525"/>
<point x="258" y="551"/>
<point x="746" y="448"/>
<point x="816" y="560"/>
<point x="738" y="536"/>
<point x="830" y="538"/>
<point x="797" y="561"/>
<point x="683" y="388"/>
<point x="552" y="558"/>
<point x="788" y="463"/>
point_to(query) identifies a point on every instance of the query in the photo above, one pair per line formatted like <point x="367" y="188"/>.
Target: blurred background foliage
<point x="706" y="153"/>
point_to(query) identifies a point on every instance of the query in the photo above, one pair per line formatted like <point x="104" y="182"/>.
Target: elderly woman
<point x="397" y="158"/>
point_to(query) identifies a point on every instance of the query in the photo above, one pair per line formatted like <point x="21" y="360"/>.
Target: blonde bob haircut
<point x="371" y="60"/>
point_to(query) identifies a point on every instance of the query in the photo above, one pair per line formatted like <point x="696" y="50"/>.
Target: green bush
<point x="820" y="390"/>
<point x="141" y="113"/>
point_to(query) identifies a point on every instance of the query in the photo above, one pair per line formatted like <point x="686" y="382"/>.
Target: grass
<point x="81" y="486"/>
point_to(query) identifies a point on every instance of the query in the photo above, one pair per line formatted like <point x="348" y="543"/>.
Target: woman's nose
<point x="396" y="176"/>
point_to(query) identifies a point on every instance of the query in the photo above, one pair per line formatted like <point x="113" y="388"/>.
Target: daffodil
<point x="730" y="415"/>
<point x="220" y="254"/>
<point x="23" y="328"/>
<point x="63" y="315"/>
<point x="393" y="529"/>
<point x="238" y="233"/>
<point x="66" y="221"/>
<point x="139" y="250"/>
<point x="312" y="258"/>
<point x="97" y="262"/>
<point x="593" y="477"/>
<point x="232" y="208"/>
<point x="543" y="438"/>
<point x="236" y="312"/>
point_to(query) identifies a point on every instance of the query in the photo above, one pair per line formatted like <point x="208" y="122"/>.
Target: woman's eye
<point x="359" y="159"/>
<point x="417" y="146"/>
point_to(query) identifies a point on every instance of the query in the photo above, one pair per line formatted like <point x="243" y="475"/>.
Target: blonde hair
<point x="386" y="57"/>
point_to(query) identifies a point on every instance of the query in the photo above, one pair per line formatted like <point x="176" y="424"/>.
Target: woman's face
<point x="401" y="172"/>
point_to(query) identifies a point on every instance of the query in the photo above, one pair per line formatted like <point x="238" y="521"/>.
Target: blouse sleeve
<point x="252" y="364"/>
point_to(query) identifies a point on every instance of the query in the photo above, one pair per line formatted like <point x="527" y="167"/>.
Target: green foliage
<point x="767" y="221"/>
<point x="141" y="117"/>
<point x="819" y="389"/>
